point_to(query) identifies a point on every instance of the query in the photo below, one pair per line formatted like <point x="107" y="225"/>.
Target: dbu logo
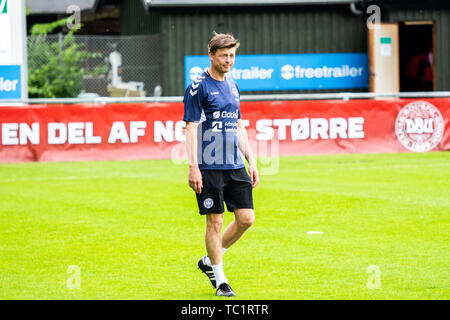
<point x="419" y="125"/>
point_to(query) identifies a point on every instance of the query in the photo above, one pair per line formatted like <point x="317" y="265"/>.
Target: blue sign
<point x="10" y="82"/>
<point x="290" y="71"/>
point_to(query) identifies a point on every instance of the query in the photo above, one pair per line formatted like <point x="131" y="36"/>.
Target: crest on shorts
<point x="419" y="126"/>
<point x="208" y="203"/>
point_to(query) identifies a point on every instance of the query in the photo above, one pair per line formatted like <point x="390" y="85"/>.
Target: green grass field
<point x="133" y="230"/>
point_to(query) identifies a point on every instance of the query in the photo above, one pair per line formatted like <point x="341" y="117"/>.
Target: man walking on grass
<point x="215" y="137"/>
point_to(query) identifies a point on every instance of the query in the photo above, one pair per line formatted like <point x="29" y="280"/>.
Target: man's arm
<point x="244" y="147"/>
<point x="195" y="176"/>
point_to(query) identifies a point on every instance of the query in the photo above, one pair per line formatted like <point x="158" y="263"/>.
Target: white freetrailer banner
<point x="13" y="50"/>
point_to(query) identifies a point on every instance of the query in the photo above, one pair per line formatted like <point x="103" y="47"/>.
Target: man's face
<point x="223" y="59"/>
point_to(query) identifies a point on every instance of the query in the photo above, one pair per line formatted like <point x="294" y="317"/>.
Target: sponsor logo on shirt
<point x="226" y="115"/>
<point x="230" y="115"/>
<point x="217" y="126"/>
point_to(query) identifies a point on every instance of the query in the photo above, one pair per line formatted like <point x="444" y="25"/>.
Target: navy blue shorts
<point x="234" y="187"/>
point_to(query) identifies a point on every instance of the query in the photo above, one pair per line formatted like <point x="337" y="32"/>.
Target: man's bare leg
<point x="213" y="241"/>
<point x="244" y="219"/>
<point x="213" y="238"/>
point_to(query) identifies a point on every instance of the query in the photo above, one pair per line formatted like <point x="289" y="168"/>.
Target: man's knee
<point x="245" y="220"/>
<point x="214" y="222"/>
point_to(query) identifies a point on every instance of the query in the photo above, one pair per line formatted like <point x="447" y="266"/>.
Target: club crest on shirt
<point x="235" y="92"/>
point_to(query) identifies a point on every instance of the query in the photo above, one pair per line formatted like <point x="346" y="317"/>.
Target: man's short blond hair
<point x="222" y="40"/>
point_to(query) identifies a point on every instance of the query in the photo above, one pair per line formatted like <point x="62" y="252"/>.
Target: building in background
<point x="287" y="46"/>
<point x="300" y="27"/>
<point x="99" y="17"/>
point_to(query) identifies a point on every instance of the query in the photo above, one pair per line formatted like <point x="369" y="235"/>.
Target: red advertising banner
<point x="156" y="130"/>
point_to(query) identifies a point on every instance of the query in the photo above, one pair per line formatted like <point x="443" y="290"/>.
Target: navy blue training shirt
<point x="215" y="106"/>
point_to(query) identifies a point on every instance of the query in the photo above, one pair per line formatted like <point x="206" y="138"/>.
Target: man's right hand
<point x="195" y="179"/>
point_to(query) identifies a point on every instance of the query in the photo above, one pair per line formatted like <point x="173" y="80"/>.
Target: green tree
<point x="55" y="70"/>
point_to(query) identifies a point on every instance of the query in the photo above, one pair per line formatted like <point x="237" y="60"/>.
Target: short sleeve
<point x="193" y="103"/>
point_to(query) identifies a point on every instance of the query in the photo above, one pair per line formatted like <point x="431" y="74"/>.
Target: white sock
<point x="208" y="262"/>
<point x="219" y="274"/>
